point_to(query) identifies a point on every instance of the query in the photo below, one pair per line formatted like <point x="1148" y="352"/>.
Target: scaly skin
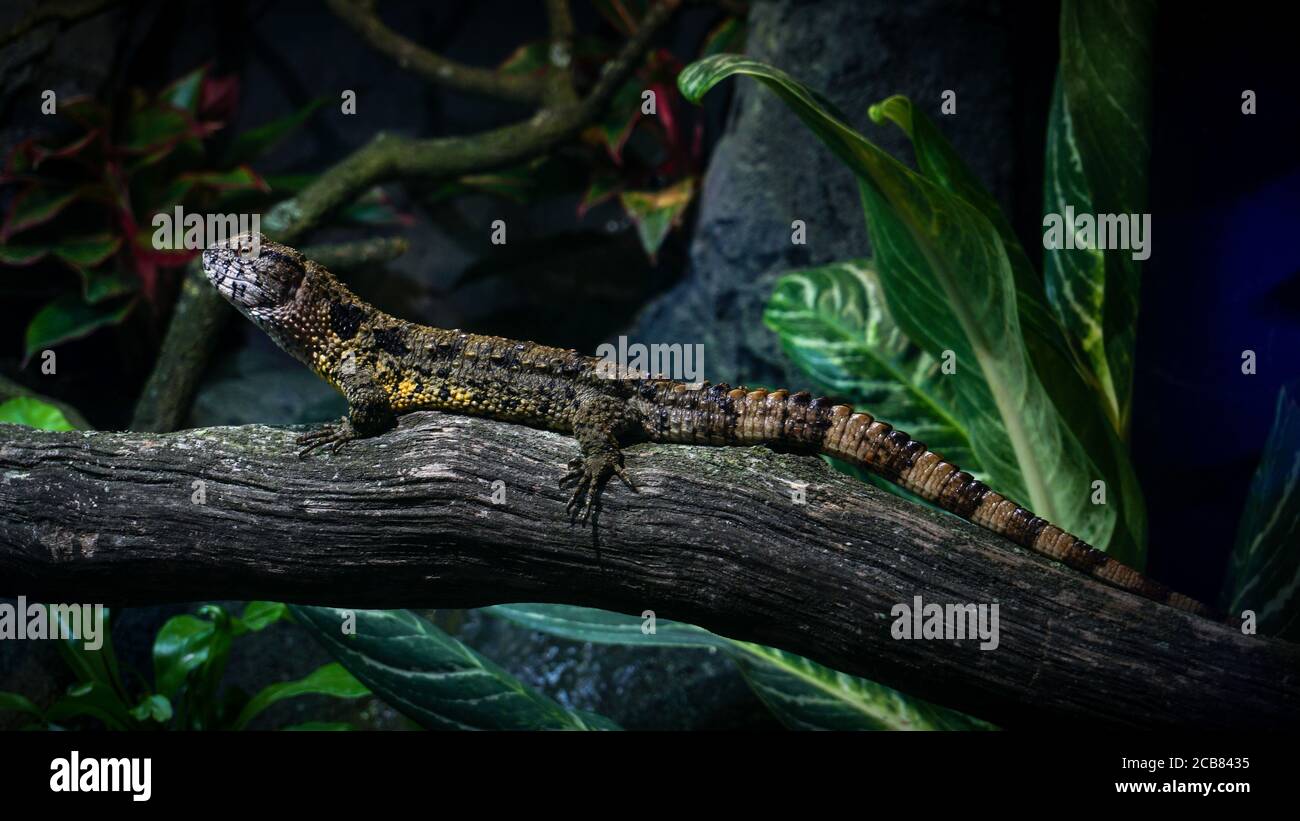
<point x="386" y="367"/>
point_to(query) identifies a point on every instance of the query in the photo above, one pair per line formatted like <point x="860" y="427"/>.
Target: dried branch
<point x="712" y="538"/>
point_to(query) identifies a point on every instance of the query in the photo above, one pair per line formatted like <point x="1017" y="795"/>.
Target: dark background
<point x="1224" y="275"/>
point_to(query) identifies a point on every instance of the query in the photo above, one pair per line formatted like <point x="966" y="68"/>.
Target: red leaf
<point x="40" y="154"/>
<point x="220" y="97"/>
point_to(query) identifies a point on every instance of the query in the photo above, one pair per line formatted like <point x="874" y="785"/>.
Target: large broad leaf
<point x="24" y="410"/>
<point x="834" y="324"/>
<point x="1070" y="385"/>
<point x="432" y="678"/>
<point x="949" y="285"/>
<point x="1097" y="153"/>
<point x="805" y="695"/>
<point x="801" y="693"/>
<point x="329" y="680"/>
<point x="1264" y="575"/>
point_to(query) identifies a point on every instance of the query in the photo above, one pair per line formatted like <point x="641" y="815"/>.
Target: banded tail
<point x="720" y="415"/>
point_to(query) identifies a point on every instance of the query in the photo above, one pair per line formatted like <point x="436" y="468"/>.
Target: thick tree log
<point x="712" y="537"/>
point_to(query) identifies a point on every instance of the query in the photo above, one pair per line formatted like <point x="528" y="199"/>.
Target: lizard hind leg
<point x="594" y="427"/>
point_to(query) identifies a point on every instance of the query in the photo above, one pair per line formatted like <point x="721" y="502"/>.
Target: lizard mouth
<point x="253" y="273"/>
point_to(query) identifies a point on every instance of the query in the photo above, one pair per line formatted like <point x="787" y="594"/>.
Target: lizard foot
<point x="334" y="436"/>
<point x="591" y="472"/>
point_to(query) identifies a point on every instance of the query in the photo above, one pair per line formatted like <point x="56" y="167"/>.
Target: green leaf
<point x="1097" y="156"/>
<point x="186" y="92"/>
<point x="97" y="666"/>
<point x="255" y="142"/>
<point x="727" y="36"/>
<point x="241" y="178"/>
<point x="805" y="695"/>
<point x="154" y="707"/>
<point x="87" y="251"/>
<point x="99" y="285"/>
<point x="259" y="615"/>
<point x="605" y="627"/>
<point x="191" y="650"/>
<point x="328" y="680"/>
<point x="801" y="693"/>
<point x="16" y="703"/>
<point x="833" y="322"/>
<point x="319" y="726"/>
<point x="429" y="676"/>
<point x="24" y="410"/>
<point x="35" y="206"/>
<point x="1075" y="394"/>
<point x="530" y="58"/>
<point x="1264" y="573"/>
<point x="656" y="212"/>
<point x="68" y="317"/>
<point x="18" y="255"/>
<point x="950" y="287"/>
<point x="95" y="700"/>
<point x="621" y="116"/>
<point x="154" y="131"/>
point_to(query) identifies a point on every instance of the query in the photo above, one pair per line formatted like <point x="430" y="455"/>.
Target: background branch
<point x="433" y="67"/>
<point x="191" y="334"/>
<point x="712" y="539"/>
<point x="65" y="12"/>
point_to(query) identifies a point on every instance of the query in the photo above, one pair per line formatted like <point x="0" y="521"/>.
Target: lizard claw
<point x="591" y="473"/>
<point x="334" y="436"/>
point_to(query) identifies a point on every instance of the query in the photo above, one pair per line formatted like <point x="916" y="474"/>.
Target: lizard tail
<point x="720" y="415"/>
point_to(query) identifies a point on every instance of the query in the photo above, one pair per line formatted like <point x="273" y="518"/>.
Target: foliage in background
<point x="87" y="201"/>
<point x="802" y="694"/>
<point x="434" y="679"/>
<point x="189" y="661"/>
<point x="1264" y="574"/>
<point x="26" y="410"/>
<point x="954" y="279"/>
<point x="650" y="164"/>
<point x="440" y="683"/>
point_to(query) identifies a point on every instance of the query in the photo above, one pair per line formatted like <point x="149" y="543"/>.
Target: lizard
<point x="385" y="367"/>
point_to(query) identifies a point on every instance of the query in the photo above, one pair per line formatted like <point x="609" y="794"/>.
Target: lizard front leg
<point x="369" y="414"/>
<point x="596" y="425"/>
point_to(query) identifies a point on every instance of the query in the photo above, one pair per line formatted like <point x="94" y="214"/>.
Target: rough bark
<point x="712" y="538"/>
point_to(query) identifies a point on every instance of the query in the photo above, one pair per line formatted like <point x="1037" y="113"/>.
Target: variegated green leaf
<point x="1068" y="382"/>
<point x="805" y="695"/>
<point x="834" y="323"/>
<point x="801" y="693"/>
<point x="1264" y="575"/>
<point x="949" y="286"/>
<point x="1097" y="155"/>
<point x="431" y="677"/>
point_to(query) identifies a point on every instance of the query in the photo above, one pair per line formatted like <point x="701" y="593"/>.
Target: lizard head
<point x="256" y="275"/>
